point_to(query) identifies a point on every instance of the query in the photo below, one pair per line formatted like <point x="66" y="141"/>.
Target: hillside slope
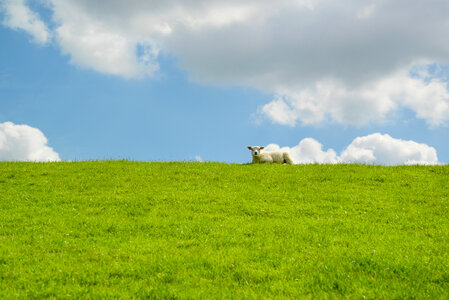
<point x="211" y="230"/>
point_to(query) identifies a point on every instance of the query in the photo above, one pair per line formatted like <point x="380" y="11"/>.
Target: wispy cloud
<point x="17" y="15"/>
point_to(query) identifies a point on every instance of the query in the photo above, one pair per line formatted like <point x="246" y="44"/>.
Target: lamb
<point x="280" y="157"/>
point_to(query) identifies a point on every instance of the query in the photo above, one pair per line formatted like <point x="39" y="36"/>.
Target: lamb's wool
<point x="279" y="157"/>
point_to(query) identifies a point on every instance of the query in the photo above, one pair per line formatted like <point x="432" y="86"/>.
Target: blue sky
<point x="209" y="102"/>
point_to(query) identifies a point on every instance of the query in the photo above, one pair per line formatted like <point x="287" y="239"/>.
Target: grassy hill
<point x="211" y="230"/>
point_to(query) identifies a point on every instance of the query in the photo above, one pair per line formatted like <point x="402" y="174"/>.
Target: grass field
<point x="211" y="230"/>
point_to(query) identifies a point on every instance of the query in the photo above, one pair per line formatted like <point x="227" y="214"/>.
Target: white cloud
<point x="17" y="15"/>
<point x="308" y="151"/>
<point x="330" y="100"/>
<point x="383" y="149"/>
<point x="270" y="43"/>
<point x="109" y="37"/>
<point x="24" y="143"/>
<point x="95" y="44"/>
<point x="375" y="148"/>
<point x="345" y="61"/>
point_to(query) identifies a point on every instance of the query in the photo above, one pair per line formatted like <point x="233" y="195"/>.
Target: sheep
<point x="280" y="157"/>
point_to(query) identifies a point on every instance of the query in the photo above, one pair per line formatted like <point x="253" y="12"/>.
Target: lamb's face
<point x="255" y="150"/>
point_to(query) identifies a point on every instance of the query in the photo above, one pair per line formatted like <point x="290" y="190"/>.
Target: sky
<point x="328" y="81"/>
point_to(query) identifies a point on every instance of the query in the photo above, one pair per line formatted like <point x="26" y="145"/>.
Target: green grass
<point x="210" y="230"/>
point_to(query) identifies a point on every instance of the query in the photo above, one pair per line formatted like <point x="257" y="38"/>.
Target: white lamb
<point x="280" y="157"/>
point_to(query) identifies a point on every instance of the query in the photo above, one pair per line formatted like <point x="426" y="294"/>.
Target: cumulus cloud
<point x="24" y="143"/>
<point x="375" y="148"/>
<point x="96" y="44"/>
<point x="331" y="100"/>
<point x="345" y="61"/>
<point x="17" y="15"/>
<point x="383" y="149"/>
<point x="308" y="151"/>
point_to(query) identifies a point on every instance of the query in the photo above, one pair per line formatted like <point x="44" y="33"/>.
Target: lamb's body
<point x="279" y="157"/>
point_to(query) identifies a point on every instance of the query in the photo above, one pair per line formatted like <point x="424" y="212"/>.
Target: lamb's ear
<point x="262" y="148"/>
<point x="250" y="148"/>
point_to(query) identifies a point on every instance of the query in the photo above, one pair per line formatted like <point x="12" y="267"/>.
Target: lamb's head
<point x="255" y="150"/>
